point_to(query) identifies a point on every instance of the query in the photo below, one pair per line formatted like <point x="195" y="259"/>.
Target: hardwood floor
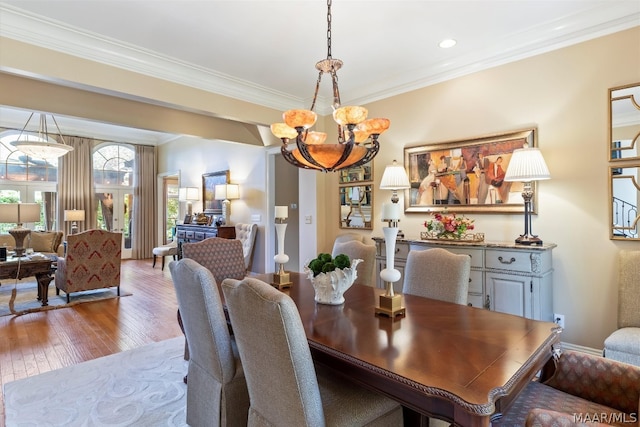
<point x="40" y="342"/>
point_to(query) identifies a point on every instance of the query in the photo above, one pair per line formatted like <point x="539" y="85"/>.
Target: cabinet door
<point x="509" y="294"/>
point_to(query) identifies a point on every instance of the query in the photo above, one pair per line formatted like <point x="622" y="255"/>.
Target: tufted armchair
<point x="624" y="344"/>
<point x="584" y="388"/>
<point x="246" y="233"/>
<point x="92" y="262"/>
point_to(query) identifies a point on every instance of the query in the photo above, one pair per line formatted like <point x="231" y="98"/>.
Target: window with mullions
<point x="113" y="165"/>
<point x="16" y="166"/>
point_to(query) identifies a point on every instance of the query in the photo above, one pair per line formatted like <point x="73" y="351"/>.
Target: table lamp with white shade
<point x="394" y="178"/>
<point x="281" y="279"/>
<point x="188" y="195"/>
<point x="74" y="215"/>
<point x="527" y="165"/>
<point x="19" y="213"/>
<point x="226" y="193"/>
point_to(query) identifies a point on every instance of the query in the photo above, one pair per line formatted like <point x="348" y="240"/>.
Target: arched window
<point x="16" y="166"/>
<point x="113" y="165"/>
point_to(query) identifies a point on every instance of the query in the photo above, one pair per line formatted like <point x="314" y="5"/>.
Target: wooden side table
<point x="40" y="268"/>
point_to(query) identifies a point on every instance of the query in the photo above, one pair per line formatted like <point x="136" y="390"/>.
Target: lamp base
<point x="528" y="240"/>
<point x="19" y="235"/>
<point x="390" y="305"/>
<point x="281" y="280"/>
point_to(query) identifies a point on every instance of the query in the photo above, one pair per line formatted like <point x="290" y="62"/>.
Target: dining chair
<point x="222" y="257"/>
<point x="169" y="249"/>
<point x="246" y="233"/>
<point x="285" y="389"/>
<point x="217" y="391"/>
<point x="624" y="344"/>
<point x="439" y="274"/>
<point x="355" y="249"/>
<point x="345" y="237"/>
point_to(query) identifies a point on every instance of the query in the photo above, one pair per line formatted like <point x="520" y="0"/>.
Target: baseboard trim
<point x="582" y="349"/>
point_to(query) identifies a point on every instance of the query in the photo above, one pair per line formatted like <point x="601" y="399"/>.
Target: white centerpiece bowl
<point x="330" y="287"/>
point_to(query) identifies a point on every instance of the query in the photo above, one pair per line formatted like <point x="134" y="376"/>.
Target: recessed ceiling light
<point x="447" y="43"/>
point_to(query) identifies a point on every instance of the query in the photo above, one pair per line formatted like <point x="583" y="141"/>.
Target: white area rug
<point x="139" y="387"/>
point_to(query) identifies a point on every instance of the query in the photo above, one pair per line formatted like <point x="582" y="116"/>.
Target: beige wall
<point x="562" y="93"/>
<point x="565" y="95"/>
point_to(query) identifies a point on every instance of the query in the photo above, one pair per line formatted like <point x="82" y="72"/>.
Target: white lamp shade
<point x="186" y="194"/>
<point x="19" y="213"/>
<point x="74" y="215"/>
<point x="227" y="192"/>
<point x="527" y="164"/>
<point x="394" y="178"/>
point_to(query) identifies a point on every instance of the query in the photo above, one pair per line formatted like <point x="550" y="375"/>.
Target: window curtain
<point x="144" y="220"/>
<point x="75" y="183"/>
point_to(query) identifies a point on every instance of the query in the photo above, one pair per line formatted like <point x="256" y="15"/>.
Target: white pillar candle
<point x="391" y="211"/>
<point x="282" y="212"/>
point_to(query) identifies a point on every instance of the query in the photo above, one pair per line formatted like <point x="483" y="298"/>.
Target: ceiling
<point x="265" y="52"/>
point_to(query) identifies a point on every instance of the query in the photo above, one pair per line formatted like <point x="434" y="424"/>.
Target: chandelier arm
<point x="371" y="153"/>
<point x="303" y="149"/>
<point x="288" y="156"/>
<point x="59" y="131"/>
<point x="24" y="127"/>
<point x="315" y="94"/>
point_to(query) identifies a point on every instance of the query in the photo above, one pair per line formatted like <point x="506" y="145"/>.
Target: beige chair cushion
<point x="8" y="241"/>
<point x="355" y="249"/>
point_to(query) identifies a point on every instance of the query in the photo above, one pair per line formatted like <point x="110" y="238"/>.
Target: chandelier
<point x="357" y="136"/>
<point x="40" y="145"/>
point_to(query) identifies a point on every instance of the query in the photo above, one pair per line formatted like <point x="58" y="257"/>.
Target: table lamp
<point x="226" y="193"/>
<point x="527" y="165"/>
<point x="394" y="178"/>
<point x="281" y="279"/>
<point x="189" y="195"/>
<point x="74" y="215"/>
<point x="19" y="213"/>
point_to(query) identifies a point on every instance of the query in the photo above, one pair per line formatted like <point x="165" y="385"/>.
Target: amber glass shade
<point x="350" y="115"/>
<point x="300" y="118"/>
<point x="327" y="155"/>
<point x="281" y="130"/>
<point x="314" y="138"/>
<point x="374" y="126"/>
<point x="360" y="135"/>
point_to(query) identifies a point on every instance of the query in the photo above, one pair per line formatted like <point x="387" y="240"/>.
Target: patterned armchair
<point x="584" y="390"/>
<point x="92" y="262"/>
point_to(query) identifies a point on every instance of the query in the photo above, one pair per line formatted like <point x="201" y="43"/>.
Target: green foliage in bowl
<point x="324" y="263"/>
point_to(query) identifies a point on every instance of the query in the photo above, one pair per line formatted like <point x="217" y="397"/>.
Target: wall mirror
<point x="356" y="206"/>
<point x="625" y="198"/>
<point x="357" y="174"/>
<point x="624" y="119"/>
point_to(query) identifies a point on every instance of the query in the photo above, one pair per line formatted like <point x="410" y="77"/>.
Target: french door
<point x="113" y="213"/>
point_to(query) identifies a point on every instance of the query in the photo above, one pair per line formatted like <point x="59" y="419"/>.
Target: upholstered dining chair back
<point x="284" y="388"/>
<point x="222" y="257"/>
<point x="355" y="249"/>
<point x="439" y="274"/>
<point x="246" y="233"/>
<point x="92" y="262"/>
<point x="345" y="237"/>
<point x="623" y="344"/>
<point x="217" y="390"/>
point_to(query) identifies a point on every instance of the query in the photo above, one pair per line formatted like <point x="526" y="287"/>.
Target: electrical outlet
<point x="559" y="319"/>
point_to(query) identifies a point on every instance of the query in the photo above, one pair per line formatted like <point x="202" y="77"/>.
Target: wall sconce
<point x="19" y="213"/>
<point x="527" y="165"/>
<point x="189" y="195"/>
<point x="227" y="192"/>
<point x="74" y="216"/>
<point x="281" y="279"/>
<point x="394" y="178"/>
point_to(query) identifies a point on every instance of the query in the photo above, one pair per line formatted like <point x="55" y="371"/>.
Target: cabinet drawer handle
<point x="512" y="260"/>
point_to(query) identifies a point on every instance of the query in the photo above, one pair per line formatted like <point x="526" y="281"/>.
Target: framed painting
<point x="466" y="175"/>
<point x="209" y="181"/>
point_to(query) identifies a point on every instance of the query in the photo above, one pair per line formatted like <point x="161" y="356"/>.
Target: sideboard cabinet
<point x="190" y="233"/>
<point x="505" y="277"/>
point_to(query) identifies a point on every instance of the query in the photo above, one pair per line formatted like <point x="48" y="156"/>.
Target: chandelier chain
<point x="328" y="29"/>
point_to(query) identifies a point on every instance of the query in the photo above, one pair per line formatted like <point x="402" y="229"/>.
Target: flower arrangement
<point x="448" y="226"/>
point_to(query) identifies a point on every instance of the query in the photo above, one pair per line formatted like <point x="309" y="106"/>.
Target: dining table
<point x="443" y="360"/>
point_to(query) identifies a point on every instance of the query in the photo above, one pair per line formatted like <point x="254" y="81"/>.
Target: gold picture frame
<point x="466" y="175"/>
